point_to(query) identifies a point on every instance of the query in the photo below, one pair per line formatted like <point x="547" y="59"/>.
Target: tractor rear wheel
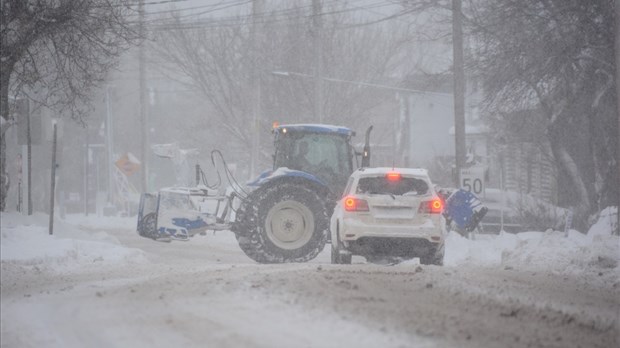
<point x="283" y="223"/>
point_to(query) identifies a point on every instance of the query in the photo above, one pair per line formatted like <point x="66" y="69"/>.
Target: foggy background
<point x="218" y="74"/>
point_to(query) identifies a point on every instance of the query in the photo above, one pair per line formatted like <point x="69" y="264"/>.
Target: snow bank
<point x="25" y="240"/>
<point x="597" y="250"/>
<point x="101" y="222"/>
<point x="79" y="241"/>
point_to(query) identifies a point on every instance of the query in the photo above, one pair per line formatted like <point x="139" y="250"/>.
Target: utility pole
<point x="53" y="179"/>
<point x="402" y="130"/>
<point x="143" y="118"/>
<point x="109" y="145"/>
<point x="317" y="24"/>
<point x="459" y="88"/>
<point x="26" y="109"/>
<point x="255" y="83"/>
<point x="86" y="169"/>
<point x="617" y="36"/>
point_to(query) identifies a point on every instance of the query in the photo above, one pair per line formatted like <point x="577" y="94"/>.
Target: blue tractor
<point x="286" y="216"/>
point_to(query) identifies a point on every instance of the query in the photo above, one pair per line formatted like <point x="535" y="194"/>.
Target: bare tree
<point x="556" y="57"/>
<point x="215" y="58"/>
<point x="56" y="52"/>
<point x="215" y="63"/>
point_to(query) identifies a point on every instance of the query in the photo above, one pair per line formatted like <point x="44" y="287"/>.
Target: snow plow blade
<point x="179" y="213"/>
<point x="465" y="210"/>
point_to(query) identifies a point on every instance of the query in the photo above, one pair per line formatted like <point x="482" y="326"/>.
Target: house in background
<point x="425" y="120"/>
<point x="426" y="139"/>
<point x="427" y="124"/>
<point x="529" y="170"/>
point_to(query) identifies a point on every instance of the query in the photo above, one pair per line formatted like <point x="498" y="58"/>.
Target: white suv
<point x="388" y="213"/>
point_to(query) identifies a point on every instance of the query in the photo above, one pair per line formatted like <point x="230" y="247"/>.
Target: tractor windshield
<point x="324" y="155"/>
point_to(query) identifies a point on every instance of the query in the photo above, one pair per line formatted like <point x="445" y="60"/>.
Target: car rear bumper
<point x="395" y="247"/>
<point x="434" y="230"/>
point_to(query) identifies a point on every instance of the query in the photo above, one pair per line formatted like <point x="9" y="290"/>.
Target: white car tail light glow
<point x="393" y="176"/>
<point x="434" y="206"/>
<point x="355" y="204"/>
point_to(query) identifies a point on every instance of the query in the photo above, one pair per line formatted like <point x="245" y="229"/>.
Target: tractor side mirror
<point x="366" y="152"/>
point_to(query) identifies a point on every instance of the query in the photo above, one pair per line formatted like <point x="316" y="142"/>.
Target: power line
<point x="387" y="18"/>
<point x="163" y="2"/>
<point x="210" y="8"/>
<point x="127" y="5"/>
<point x="225" y="5"/>
<point x="263" y="18"/>
<point x="361" y="83"/>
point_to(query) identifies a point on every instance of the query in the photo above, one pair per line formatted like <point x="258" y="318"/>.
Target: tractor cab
<point x="322" y="151"/>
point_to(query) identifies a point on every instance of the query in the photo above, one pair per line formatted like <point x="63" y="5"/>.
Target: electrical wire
<point x="289" y="14"/>
<point x="224" y="5"/>
<point x="162" y="2"/>
<point x="211" y="9"/>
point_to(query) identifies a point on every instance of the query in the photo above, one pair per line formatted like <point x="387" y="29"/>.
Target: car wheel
<point x="337" y="257"/>
<point x="345" y="259"/>
<point x="335" y="252"/>
<point x="434" y="256"/>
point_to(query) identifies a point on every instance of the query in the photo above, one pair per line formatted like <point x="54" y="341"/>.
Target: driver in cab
<point x="301" y="160"/>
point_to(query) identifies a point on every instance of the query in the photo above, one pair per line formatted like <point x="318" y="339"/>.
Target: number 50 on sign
<point x="472" y="180"/>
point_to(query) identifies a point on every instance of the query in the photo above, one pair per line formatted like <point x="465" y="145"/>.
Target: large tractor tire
<point x="283" y="223"/>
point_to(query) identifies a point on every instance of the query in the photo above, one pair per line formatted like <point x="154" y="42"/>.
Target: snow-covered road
<point x="97" y="284"/>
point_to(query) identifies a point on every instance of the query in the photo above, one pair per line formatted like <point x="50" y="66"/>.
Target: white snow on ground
<point x="550" y="250"/>
<point x="233" y="301"/>
<point x="26" y="240"/>
<point x="79" y="240"/>
<point x="597" y="252"/>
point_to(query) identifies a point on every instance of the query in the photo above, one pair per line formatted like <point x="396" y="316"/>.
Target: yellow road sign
<point x="128" y="164"/>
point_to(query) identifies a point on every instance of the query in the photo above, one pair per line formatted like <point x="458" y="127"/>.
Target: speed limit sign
<point x="472" y="180"/>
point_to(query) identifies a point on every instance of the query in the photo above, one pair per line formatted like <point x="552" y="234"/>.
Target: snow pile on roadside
<point x="559" y="252"/>
<point x="25" y="240"/>
<point x="551" y="250"/>
<point x="98" y="222"/>
<point x="483" y="250"/>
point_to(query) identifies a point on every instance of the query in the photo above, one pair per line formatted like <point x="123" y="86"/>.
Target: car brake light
<point x="431" y="207"/>
<point x="393" y="176"/>
<point x="355" y="204"/>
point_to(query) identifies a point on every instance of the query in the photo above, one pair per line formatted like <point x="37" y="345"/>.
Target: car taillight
<point x="393" y="176"/>
<point x="355" y="204"/>
<point x="431" y="207"/>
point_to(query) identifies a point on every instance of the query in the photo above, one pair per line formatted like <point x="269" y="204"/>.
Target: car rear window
<point x="402" y="186"/>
